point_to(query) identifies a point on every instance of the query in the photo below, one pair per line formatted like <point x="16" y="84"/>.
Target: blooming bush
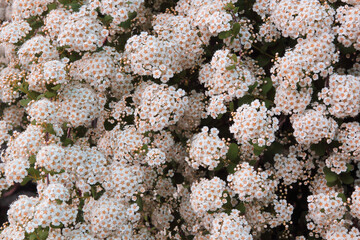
<point x="180" y="119"/>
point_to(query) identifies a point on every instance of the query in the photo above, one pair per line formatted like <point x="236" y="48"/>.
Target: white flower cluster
<point x="30" y="213"/>
<point x="119" y="9"/>
<point x="349" y="137"/>
<point x="232" y="226"/>
<point x="175" y="47"/>
<point x="207" y="195"/>
<point x="9" y="78"/>
<point x="36" y="50"/>
<point x="324" y="210"/>
<point x="79" y="105"/>
<point x="14" y="31"/>
<point x="310" y="59"/>
<point x="22" y="9"/>
<point x="288" y="168"/>
<point x="160" y="107"/>
<point x="343" y="95"/>
<point x="312" y="126"/>
<point x="348" y="31"/>
<point x="82" y="31"/>
<point x="254" y="123"/>
<point x="206" y="149"/>
<point x="226" y="78"/>
<point x="209" y="16"/>
<point x="46" y="73"/>
<point x="108" y="217"/>
<point x="299" y="18"/>
<point x="249" y="184"/>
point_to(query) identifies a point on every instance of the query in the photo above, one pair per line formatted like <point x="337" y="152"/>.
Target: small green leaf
<point x="331" y="184"/>
<point x="139" y="202"/>
<point x="267" y="86"/>
<point x="224" y="34"/>
<point x="241" y="207"/>
<point x="231" y="168"/>
<point x="236" y="29"/>
<point x="349" y="167"/>
<point x="231" y="106"/>
<point x="67" y="142"/>
<point x="231" y="67"/>
<point x="126" y="24"/>
<point x="40" y="96"/>
<point x="233" y="152"/>
<point x="56" y="87"/>
<point x="51" y="6"/>
<point x="245" y="100"/>
<point x="258" y="150"/>
<point x="50" y="129"/>
<point x="25" y="181"/>
<point x="49" y="94"/>
<point x="319" y="148"/>
<point x="132" y="15"/>
<point x="346" y="178"/>
<point x="32" y="236"/>
<point x="24" y="102"/>
<point x="32" y="159"/>
<point x="233" y="57"/>
<point x="43" y="234"/>
<point x="342" y="196"/>
<point x="329" y="175"/>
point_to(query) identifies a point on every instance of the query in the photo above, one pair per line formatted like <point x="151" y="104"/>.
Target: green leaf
<point x="233" y="152"/>
<point x="245" y="100"/>
<point x="233" y="57"/>
<point x="25" y="181"/>
<point x="258" y="150"/>
<point x="139" y="202"/>
<point x="125" y="24"/>
<point x="263" y="60"/>
<point x="50" y="129"/>
<point x="267" y="86"/>
<point x="229" y="6"/>
<point x="49" y="94"/>
<point x="231" y="106"/>
<point x="43" y="234"/>
<point x="350" y="167"/>
<point x="231" y="67"/>
<point x="51" y="6"/>
<point x="56" y="87"/>
<point x="35" y="173"/>
<point x="32" y="159"/>
<point x="319" y="148"/>
<point x="67" y="142"/>
<point x="346" y="178"/>
<point x="231" y="168"/>
<point x="132" y="15"/>
<point x="24" y="102"/>
<point x="40" y="96"/>
<point x="331" y="184"/>
<point x="32" y="236"/>
<point x="236" y="29"/>
<point x="342" y="196"/>
<point x="224" y="34"/>
<point x="252" y="87"/>
<point x="241" y="207"/>
<point x="329" y="175"/>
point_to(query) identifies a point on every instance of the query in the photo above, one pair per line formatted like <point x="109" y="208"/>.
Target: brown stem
<point x="11" y="191"/>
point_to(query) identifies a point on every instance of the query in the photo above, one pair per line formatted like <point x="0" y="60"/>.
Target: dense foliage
<point x="189" y="119"/>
